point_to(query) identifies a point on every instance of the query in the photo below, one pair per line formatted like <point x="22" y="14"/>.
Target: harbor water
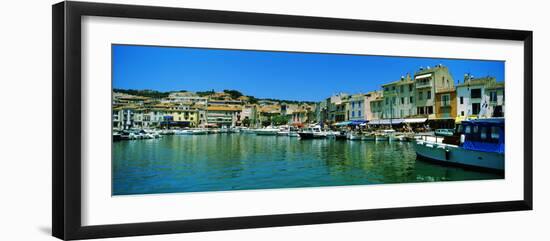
<point x="195" y="163"/>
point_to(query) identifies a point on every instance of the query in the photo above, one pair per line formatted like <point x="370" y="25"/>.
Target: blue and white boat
<point x="481" y="145"/>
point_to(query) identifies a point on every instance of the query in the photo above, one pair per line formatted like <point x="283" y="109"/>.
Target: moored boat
<point x="481" y="146"/>
<point x="368" y="137"/>
<point x="268" y="131"/>
<point x="312" y="133"/>
<point x="354" y="136"/>
<point x="199" y="132"/>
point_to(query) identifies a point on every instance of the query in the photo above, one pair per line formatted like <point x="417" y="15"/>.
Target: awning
<point x="343" y="123"/>
<point x="351" y="123"/>
<point x="415" y="120"/>
<point x="386" y="122"/>
<point x="357" y="122"/>
<point x="423" y="76"/>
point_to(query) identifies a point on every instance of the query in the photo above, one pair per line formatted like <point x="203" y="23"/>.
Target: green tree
<point x="279" y="120"/>
<point x="266" y="123"/>
<point x="246" y="122"/>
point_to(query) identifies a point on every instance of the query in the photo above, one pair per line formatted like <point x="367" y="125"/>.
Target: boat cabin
<point x="485" y="135"/>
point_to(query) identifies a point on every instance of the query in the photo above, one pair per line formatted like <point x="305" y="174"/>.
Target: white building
<point x="480" y="97"/>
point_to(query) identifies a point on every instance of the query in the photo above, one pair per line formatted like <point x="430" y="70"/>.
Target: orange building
<point x="445" y="104"/>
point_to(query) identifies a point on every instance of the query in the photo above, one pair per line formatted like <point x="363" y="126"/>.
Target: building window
<point x="493" y="96"/>
<point x="475" y="93"/>
<point x="410" y="88"/>
<point x="352" y="104"/>
<point x="393" y="88"/>
<point x="402" y="100"/>
<point x="353" y="114"/>
<point x="420" y="95"/>
<point x="429" y="110"/>
<point x="475" y="108"/>
<point x="429" y="95"/>
<point x="359" y="113"/>
<point x="401" y="89"/>
<point x="461" y="100"/>
<point x="420" y="110"/>
<point x="462" y="113"/>
<point x="411" y="100"/>
<point x="445" y="100"/>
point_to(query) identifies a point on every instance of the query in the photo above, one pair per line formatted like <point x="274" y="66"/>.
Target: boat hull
<point x="455" y="155"/>
<point x="308" y="135"/>
<point x="267" y="133"/>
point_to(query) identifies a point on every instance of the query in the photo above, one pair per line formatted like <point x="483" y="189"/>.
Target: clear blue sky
<point x="279" y="75"/>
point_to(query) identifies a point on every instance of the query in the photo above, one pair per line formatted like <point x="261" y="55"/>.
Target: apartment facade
<point x="430" y="81"/>
<point x="480" y="97"/>
<point x="399" y="98"/>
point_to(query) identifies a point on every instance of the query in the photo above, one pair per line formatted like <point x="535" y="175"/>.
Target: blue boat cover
<point x="485" y="146"/>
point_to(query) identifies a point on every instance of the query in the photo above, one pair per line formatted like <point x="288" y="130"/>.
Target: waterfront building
<point x="399" y="98"/>
<point x="495" y="94"/>
<point x="355" y="107"/>
<point x="428" y="82"/>
<point x="223" y="115"/>
<point x="201" y="114"/>
<point x="480" y="97"/>
<point x="445" y="104"/>
<point x="127" y="117"/>
<point x="266" y="112"/>
<point x="249" y="116"/>
<point x="321" y="110"/>
<point x="376" y="106"/>
<point x="369" y="97"/>
<point x="172" y="115"/>
<point x="336" y="108"/>
<point x="303" y="114"/>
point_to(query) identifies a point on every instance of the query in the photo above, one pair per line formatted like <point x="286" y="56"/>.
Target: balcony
<point x="420" y="85"/>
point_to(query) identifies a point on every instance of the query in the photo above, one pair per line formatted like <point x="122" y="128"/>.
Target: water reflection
<point x="237" y="162"/>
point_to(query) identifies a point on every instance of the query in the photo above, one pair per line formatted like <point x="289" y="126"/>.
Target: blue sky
<point x="279" y="75"/>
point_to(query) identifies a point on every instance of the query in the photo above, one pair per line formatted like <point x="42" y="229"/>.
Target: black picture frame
<point x="66" y="75"/>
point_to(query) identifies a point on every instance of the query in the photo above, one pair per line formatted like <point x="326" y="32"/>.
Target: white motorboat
<point x="313" y="132"/>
